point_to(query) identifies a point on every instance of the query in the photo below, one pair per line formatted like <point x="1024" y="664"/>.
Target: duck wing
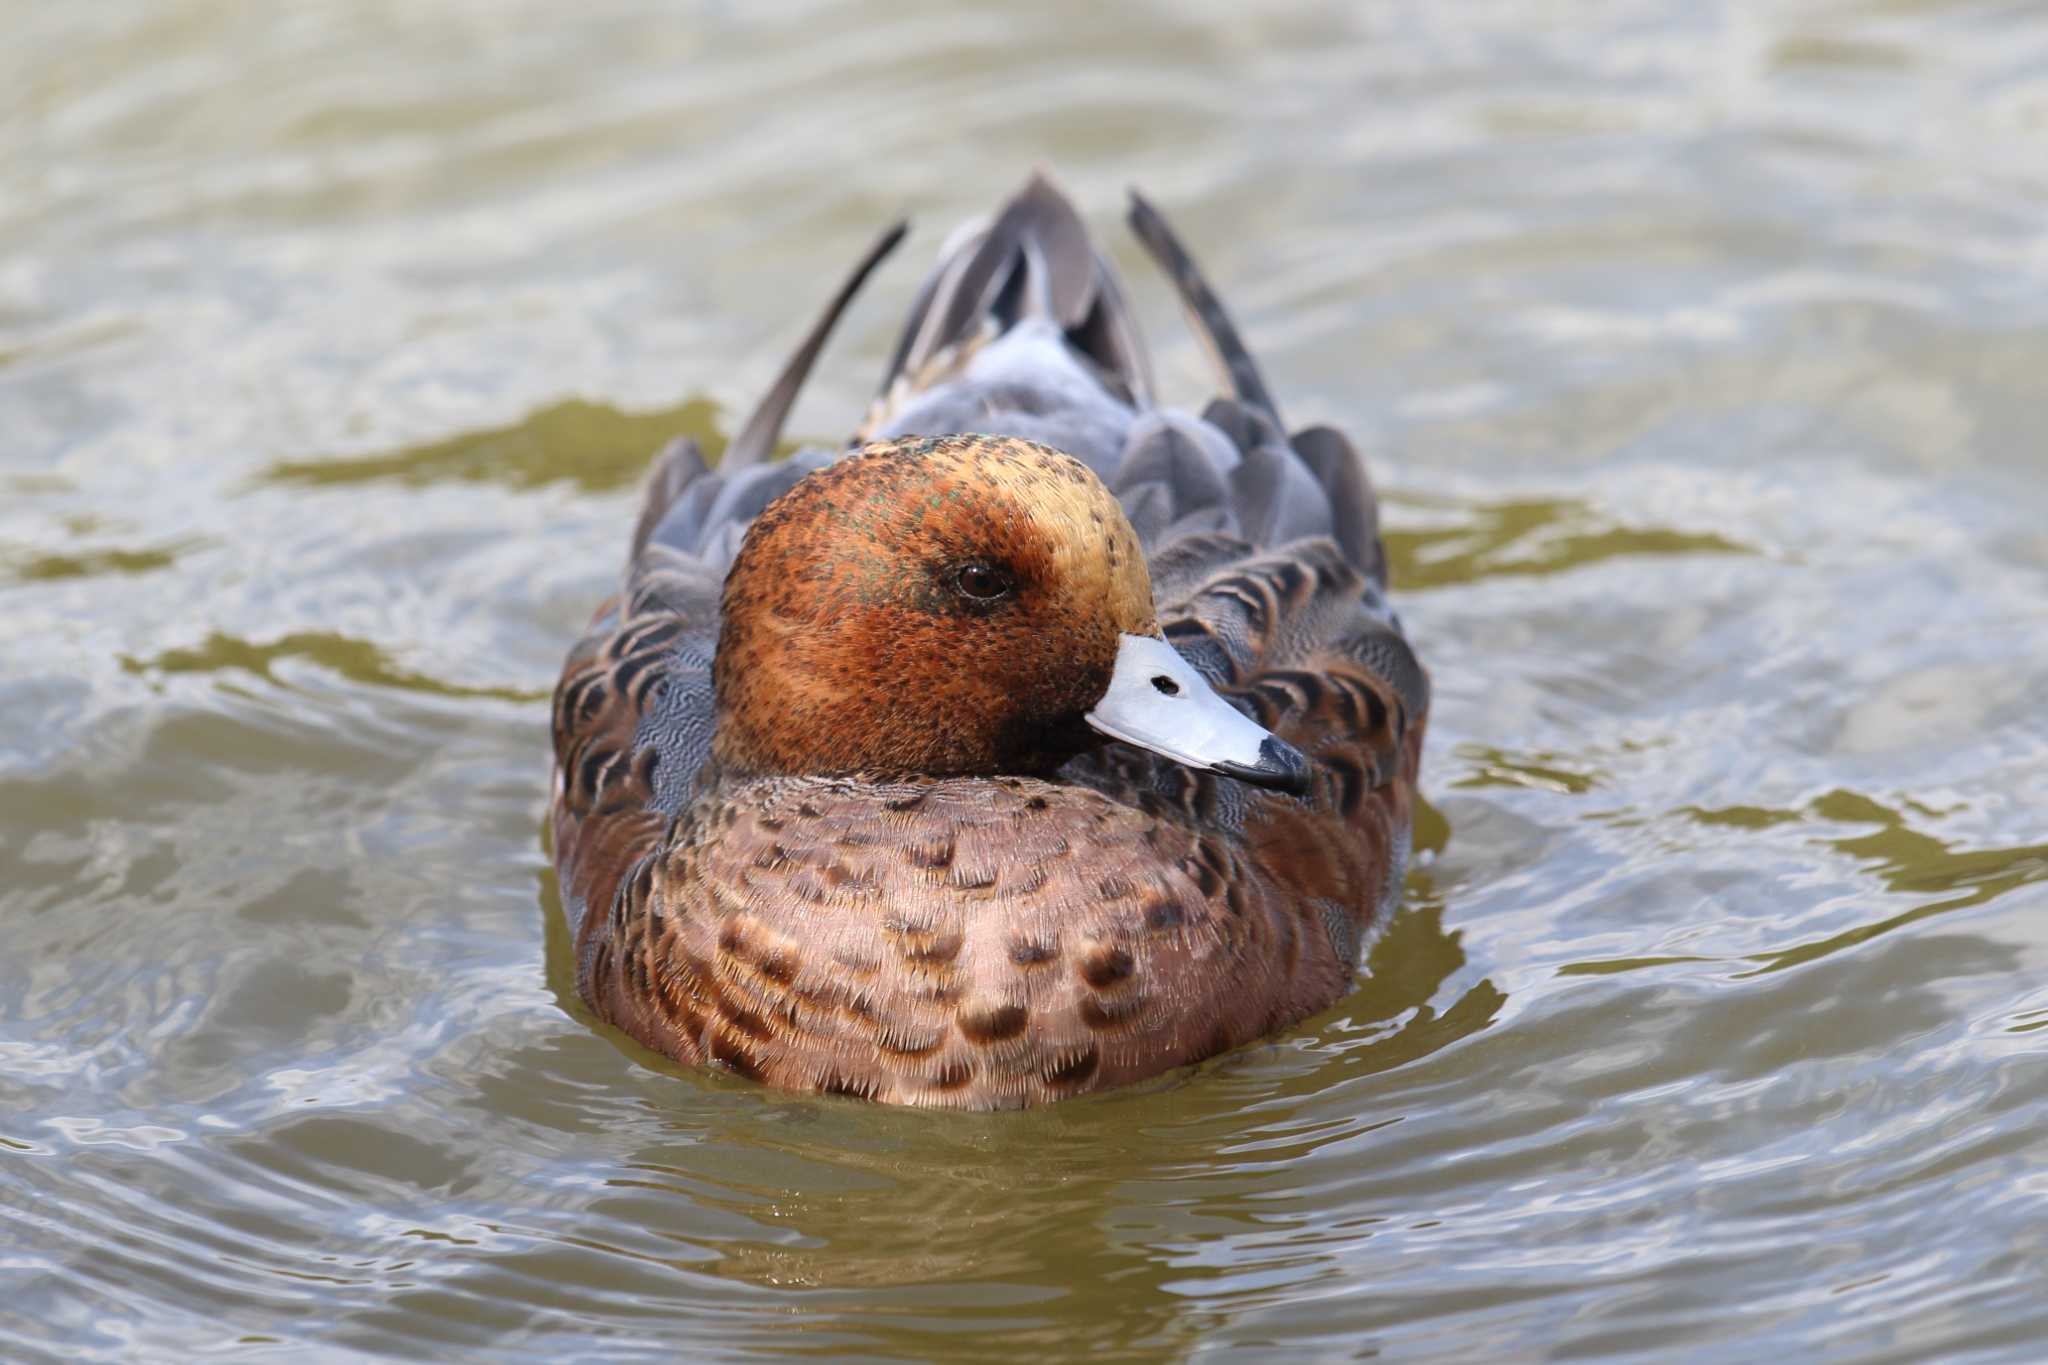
<point x="1270" y="577"/>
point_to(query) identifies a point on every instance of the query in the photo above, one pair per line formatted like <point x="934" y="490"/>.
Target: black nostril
<point x="1166" y="685"/>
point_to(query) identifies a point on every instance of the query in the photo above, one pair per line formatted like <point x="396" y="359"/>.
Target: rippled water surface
<point x="1701" y="349"/>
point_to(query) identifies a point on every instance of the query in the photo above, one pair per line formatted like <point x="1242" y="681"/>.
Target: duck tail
<point x="1034" y="259"/>
<point x="685" y="502"/>
<point x="1211" y="324"/>
<point x="763" y="427"/>
<point x="1248" y="413"/>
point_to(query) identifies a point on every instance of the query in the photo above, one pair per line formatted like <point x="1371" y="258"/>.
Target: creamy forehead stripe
<point x="1085" y="528"/>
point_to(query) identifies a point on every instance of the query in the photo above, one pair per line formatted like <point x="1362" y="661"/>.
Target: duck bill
<point x="1157" y="701"/>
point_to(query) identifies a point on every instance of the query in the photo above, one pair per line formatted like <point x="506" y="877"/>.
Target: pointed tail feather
<point x="763" y="427"/>
<point x="1253" y="420"/>
<point x="1239" y="372"/>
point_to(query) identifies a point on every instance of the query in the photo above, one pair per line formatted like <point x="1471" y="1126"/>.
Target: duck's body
<point x="844" y="834"/>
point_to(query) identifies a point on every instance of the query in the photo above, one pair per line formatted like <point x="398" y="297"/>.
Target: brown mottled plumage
<point x="827" y="810"/>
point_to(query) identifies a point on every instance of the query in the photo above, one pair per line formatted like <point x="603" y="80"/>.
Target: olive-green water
<point x="1702" y="350"/>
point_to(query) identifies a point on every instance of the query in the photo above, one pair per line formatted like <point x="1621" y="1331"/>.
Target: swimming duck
<point x="1041" y="740"/>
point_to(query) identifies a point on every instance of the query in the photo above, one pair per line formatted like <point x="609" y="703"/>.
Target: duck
<point x="1041" y="739"/>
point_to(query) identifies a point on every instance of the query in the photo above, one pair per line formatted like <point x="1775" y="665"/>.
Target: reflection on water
<point x="29" y="567"/>
<point x="1697" y="352"/>
<point x="1529" y="536"/>
<point x="359" y="661"/>
<point x="1915" y="864"/>
<point x="595" y="446"/>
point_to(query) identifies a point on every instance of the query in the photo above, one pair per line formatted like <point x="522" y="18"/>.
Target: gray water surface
<point x="1700" y="350"/>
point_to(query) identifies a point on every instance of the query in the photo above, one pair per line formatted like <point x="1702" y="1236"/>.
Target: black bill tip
<point x="1281" y="768"/>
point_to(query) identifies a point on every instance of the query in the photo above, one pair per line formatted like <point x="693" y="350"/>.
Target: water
<point x="1699" y="348"/>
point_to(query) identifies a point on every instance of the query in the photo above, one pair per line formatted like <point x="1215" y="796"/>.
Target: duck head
<point x="964" y="606"/>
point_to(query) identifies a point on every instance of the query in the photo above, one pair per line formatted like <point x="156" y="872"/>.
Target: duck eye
<point x="981" y="581"/>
